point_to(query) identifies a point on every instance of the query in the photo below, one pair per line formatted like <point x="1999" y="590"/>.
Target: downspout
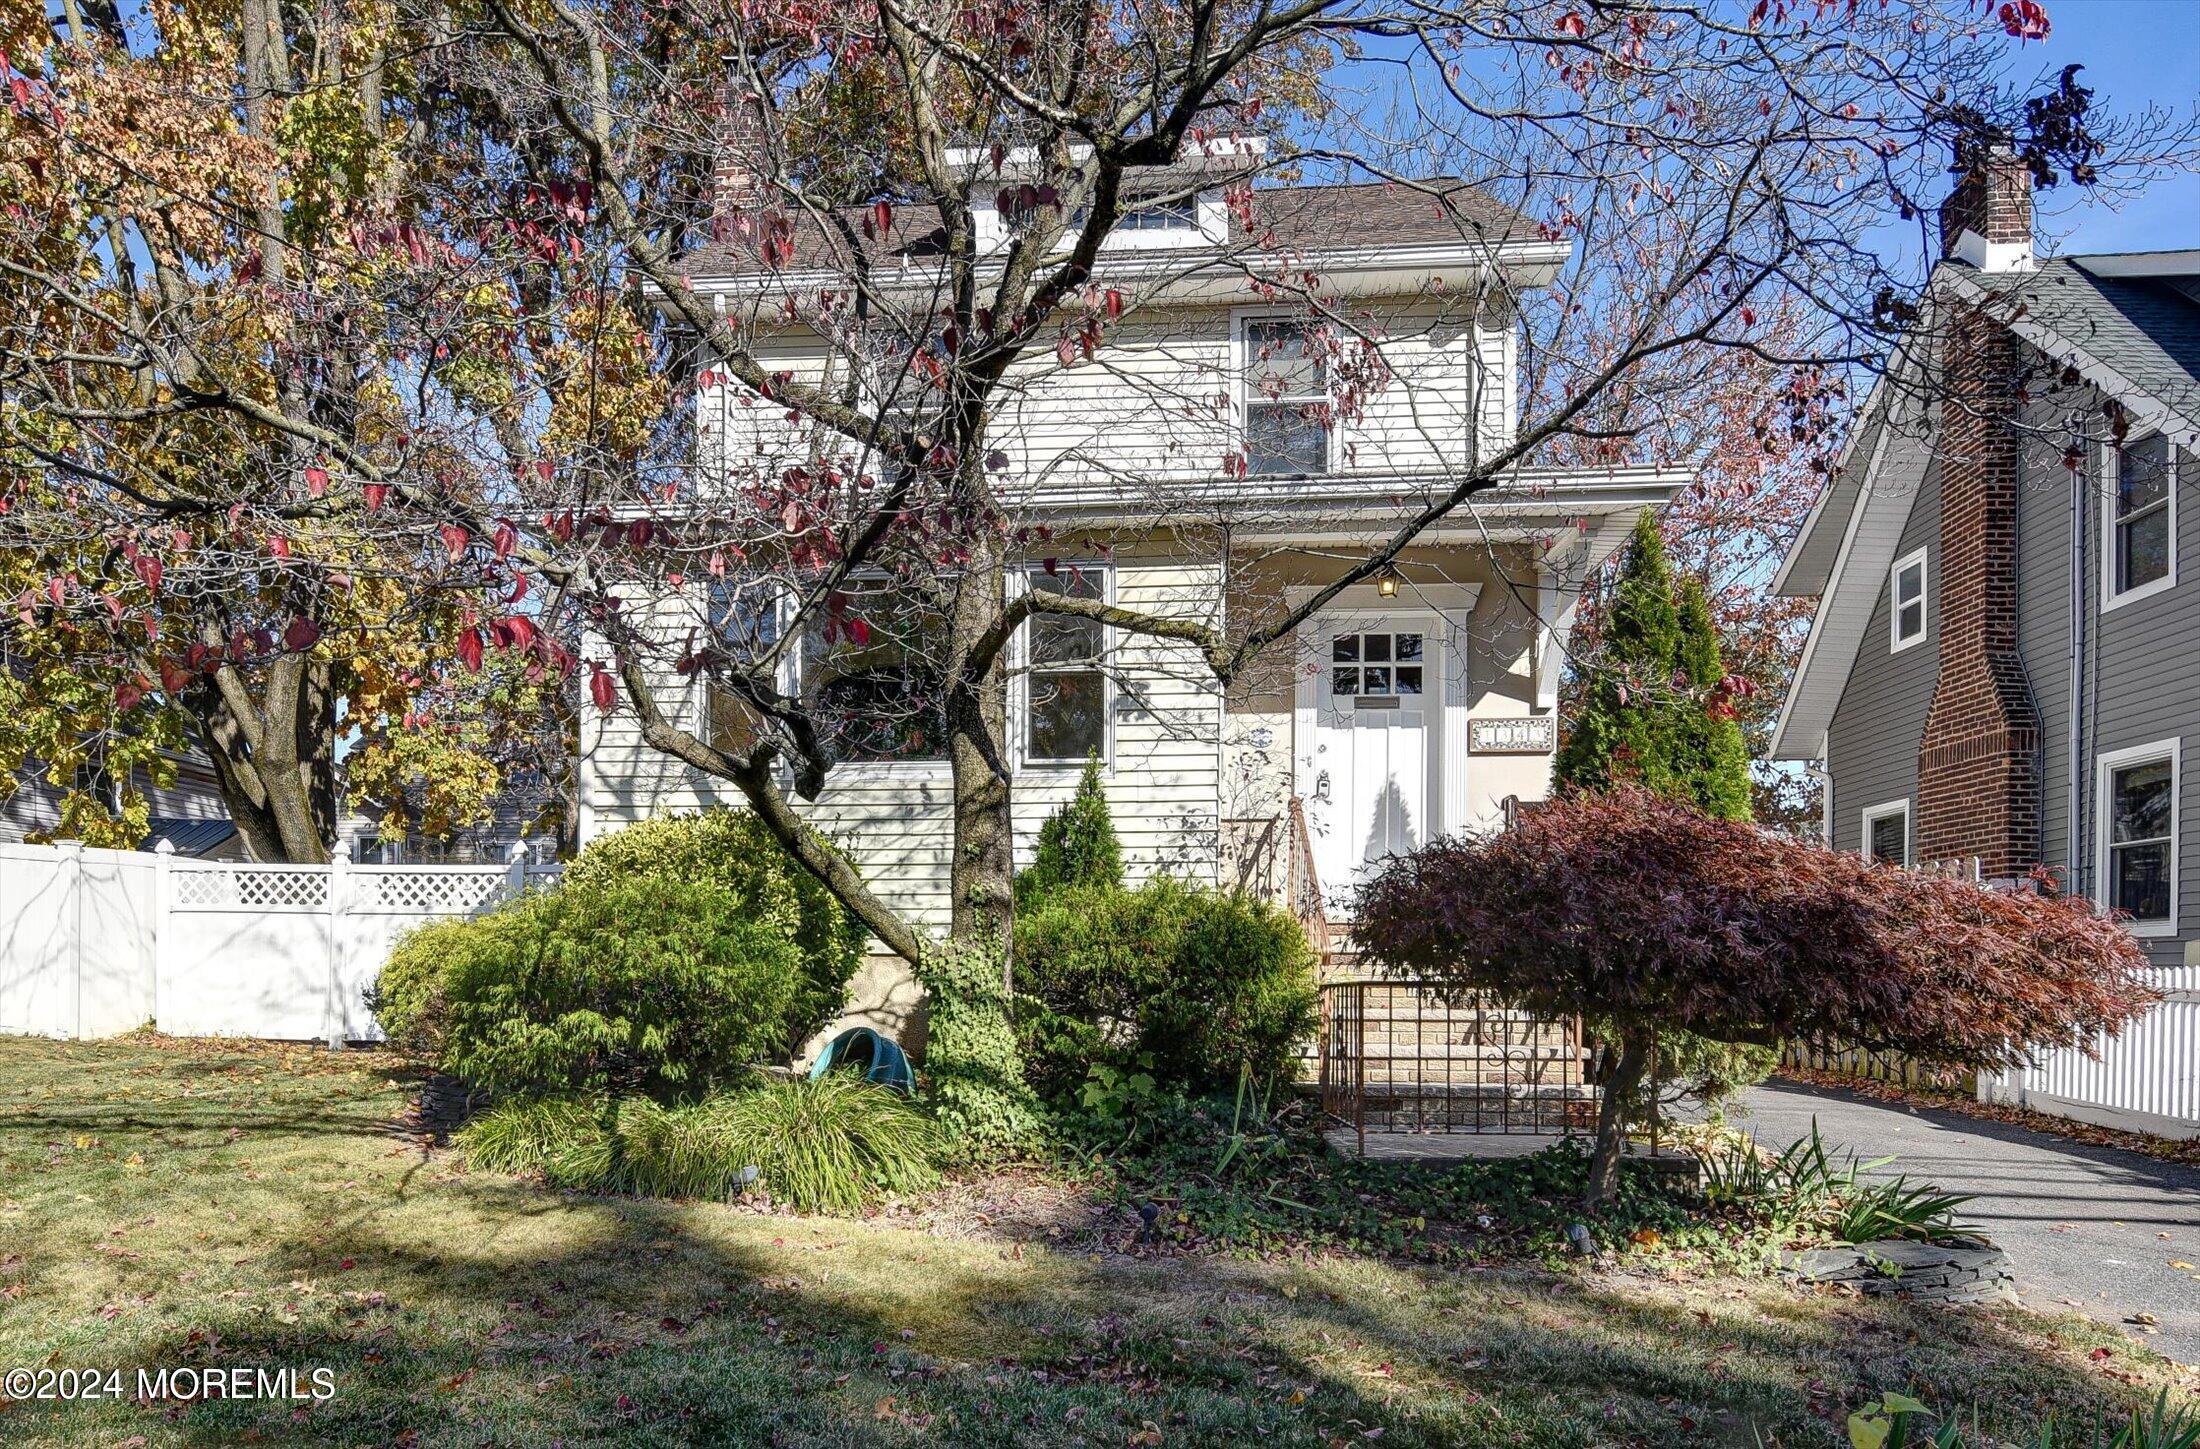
<point x="2073" y="825"/>
<point x="1821" y="769"/>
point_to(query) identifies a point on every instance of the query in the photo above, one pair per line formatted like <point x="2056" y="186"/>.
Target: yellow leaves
<point x="605" y="393"/>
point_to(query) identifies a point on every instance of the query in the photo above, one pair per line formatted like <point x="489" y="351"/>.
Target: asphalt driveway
<point x="2093" y="1229"/>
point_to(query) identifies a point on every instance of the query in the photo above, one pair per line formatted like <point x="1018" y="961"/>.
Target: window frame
<point x="1245" y="355"/>
<point x="2111" y="474"/>
<point x="1872" y="815"/>
<point x="793" y="666"/>
<point x="1021" y="714"/>
<point x="1897" y="641"/>
<point x="1149" y="214"/>
<point x="2105" y="767"/>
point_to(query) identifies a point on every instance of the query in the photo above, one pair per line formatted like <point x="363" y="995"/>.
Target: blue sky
<point x="2135" y="53"/>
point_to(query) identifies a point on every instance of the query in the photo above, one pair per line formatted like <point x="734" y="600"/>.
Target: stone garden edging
<point x="1970" y="1270"/>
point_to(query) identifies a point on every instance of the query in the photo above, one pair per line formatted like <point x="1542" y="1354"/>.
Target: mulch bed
<point x="2165" y="1149"/>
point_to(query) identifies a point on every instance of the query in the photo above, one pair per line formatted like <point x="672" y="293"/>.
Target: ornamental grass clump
<point x="834" y="1145"/>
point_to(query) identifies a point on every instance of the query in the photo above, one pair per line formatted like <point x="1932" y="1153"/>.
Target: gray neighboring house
<point x="2005" y="661"/>
<point x="190" y="814"/>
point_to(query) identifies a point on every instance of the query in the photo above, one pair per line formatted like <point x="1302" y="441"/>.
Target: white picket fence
<point x="96" y="942"/>
<point x="2145" y="1080"/>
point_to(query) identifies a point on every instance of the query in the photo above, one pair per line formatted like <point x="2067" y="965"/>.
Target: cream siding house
<point x="1178" y="470"/>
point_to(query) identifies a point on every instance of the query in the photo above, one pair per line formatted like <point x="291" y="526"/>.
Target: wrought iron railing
<point x="1407" y="1056"/>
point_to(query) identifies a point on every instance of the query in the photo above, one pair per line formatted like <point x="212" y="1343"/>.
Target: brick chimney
<point x="1978" y="766"/>
<point x="737" y="170"/>
<point x="1987" y="218"/>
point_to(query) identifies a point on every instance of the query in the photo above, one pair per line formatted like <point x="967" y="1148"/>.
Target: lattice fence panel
<point x="254" y="888"/>
<point x="443" y="892"/>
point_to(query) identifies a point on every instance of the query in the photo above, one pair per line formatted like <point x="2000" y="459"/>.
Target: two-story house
<point x="2005" y="662"/>
<point x="1196" y="468"/>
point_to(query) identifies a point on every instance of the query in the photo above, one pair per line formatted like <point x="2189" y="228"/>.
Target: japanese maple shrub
<point x="1653" y="916"/>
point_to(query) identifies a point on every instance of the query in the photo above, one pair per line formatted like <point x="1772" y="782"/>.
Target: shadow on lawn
<point x="653" y="1323"/>
<point x="481" y="1309"/>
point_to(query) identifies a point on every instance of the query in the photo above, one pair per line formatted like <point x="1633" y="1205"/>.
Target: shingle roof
<point x="2145" y="328"/>
<point x="189" y="837"/>
<point x="1286" y="218"/>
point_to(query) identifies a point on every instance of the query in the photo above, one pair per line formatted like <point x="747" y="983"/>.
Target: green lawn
<point x="166" y="1204"/>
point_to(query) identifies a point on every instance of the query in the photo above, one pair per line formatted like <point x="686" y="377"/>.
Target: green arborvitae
<point x="1643" y="716"/>
<point x="1623" y="730"/>
<point x="1077" y="845"/>
<point x="1714" y="768"/>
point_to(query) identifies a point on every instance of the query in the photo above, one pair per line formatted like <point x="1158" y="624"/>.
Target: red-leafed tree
<point x="1649" y="915"/>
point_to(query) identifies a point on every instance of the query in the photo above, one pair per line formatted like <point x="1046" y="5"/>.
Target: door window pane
<point x="1371" y="670"/>
<point x="2142" y="807"/>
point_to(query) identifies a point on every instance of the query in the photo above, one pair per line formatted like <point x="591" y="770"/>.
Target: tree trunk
<point x="983" y="860"/>
<point x="275" y="758"/>
<point x="1620" y="1086"/>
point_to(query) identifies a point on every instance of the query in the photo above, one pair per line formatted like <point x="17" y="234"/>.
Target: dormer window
<point x="1179" y="214"/>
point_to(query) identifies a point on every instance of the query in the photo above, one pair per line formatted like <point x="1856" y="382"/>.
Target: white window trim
<point x="1876" y="813"/>
<point x="2110" y="598"/>
<point x="1020" y="697"/>
<point x="1241" y="384"/>
<point x="2104" y="769"/>
<point x="1896" y="643"/>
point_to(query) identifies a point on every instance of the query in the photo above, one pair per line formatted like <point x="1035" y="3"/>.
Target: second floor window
<point x="1286" y="400"/>
<point x="1066" y="689"/>
<point x="1178" y="214"/>
<point x="1907" y="621"/>
<point x="2142" y="515"/>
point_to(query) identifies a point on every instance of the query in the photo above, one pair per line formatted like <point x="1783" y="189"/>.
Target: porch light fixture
<point x="1386" y="584"/>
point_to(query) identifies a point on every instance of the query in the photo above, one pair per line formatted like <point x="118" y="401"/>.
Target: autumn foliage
<point x="1644" y="912"/>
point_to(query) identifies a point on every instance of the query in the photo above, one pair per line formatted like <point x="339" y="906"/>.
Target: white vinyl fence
<point x="2146" y="1080"/>
<point x="96" y="942"/>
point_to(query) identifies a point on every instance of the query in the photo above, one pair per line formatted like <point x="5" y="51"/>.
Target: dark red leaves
<point x="455" y="540"/>
<point x="469" y="648"/>
<point x="302" y="635"/>
<point x="317" y="482"/>
<point x="601" y="689"/>
<point x="1632" y="906"/>
<point x="2025" y="19"/>
<point x="376" y="494"/>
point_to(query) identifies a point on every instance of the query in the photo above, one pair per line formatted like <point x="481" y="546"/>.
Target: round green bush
<point x="650" y="985"/>
<point x="732" y="851"/>
<point x="407" y="998"/>
<point x="1207" y="984"/>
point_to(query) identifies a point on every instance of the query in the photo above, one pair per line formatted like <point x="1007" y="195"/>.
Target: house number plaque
<point x="1511" y="736"/>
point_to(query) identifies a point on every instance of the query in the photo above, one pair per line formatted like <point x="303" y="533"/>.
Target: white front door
<point x="1363" y="769"/>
